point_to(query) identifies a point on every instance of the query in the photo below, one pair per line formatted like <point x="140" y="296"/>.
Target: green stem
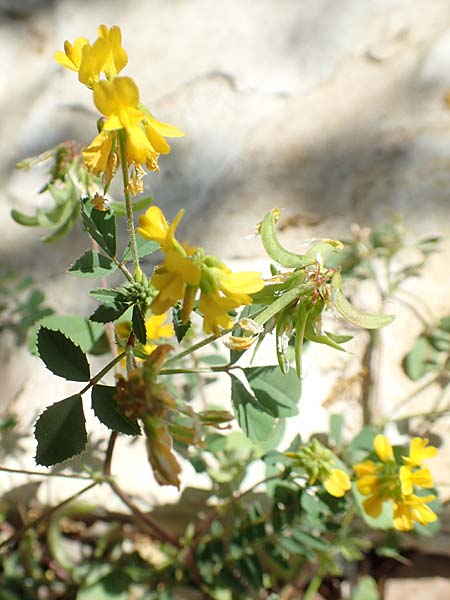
<point x="128" y="203"/>
<point x="195" y="347"/>
<point x="103" y="372"/>
<point x="313" y="586"/>
<point x="206" y="370"/>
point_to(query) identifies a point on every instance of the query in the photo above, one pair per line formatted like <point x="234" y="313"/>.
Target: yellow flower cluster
<point x="117" y="98"/>
<point x="386" y="479"/>
<point x="186" y="270"/>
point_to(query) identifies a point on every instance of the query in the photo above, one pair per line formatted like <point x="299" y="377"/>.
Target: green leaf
<point x="60" y="431"/>
<point x="366" y="589"/>
<point x="120" y="210"/>
<point x="62" y="356"/>
<point x="179" y="327"/>
<point x="139" y="325"/>
<point x="101" y="224"/>
<point x="82" y="332"/>
<point x="108" y="313"/>
<point x="256" y="424"/>
<point x="106" y="410"/>
<point x="94" y="265"/>
<point x="276" y="393"/>
<point x="144" y="248"/>
<point x="115" y="586"/>
<point x="422" y="359"/>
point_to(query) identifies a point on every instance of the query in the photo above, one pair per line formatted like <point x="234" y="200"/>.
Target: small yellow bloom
<point x="214" y="308"/>
<point x="412" y="509"/>
<point x="383" y="447"/>
<point x="337" y="483"/>
<point x="154" y="226"/>
<point x="105" y="55"/>
<point x="156" y="328"/>
<point x="117" y="57"/>
<point x="418" y="452"/>
<point x="71" y="57"/>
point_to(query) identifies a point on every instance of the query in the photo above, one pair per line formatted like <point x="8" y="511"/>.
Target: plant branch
<point x="41" y="474"/>
<point x="103" y="372"/>
<point x="143" y="519"/>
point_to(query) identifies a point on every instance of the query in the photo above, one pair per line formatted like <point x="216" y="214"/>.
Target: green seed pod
<point x="276" y="251"/>
<point x="349" y="312"/>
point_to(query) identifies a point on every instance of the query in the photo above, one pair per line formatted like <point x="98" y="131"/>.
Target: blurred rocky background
<point x="330" y="109"/>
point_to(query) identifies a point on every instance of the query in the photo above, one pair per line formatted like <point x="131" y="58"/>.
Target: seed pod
<point x="349" y="312"/>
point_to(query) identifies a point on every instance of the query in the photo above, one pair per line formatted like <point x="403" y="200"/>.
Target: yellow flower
<point x="337" y="483"/>
<point x="104" y="55"/>
<point x="156" y="328"/>
<point x="419" y="452"/>
<point x="99" y="154"/>
<point x="409" y="478"/>
<point x="223" y="291"/>
<point x="412" y="509"/>
<point x="154" y="226"/>
<point x="117" y="57"/>
<point x="118" y="100"/>
<point x="172" y="279"/>
<point x="71" y="57"/>
<point x="388" y="480"/>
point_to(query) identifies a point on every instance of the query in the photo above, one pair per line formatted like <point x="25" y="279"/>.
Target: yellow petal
<point x="403" y="520"/>
<point x="383" y="447"/>
<point x="367" y="467"/>
<point x="419" y="451"/>
<point x="163" y="128"/>
<point x="71" y="57"/>
<point x="244" y="282"/>
<point x="92" y="60"/>
<point x="97" y="154"/>
<point x="423" y="478"/>
<point x="337" y="483"/>
<point x="157" y="140"/>
<point x="406" y="481"/>
<point x="153" y="225"/>
<point x="373" y="506"/>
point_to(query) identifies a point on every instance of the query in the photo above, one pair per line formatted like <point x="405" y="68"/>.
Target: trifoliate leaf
<point x="93" y="264"/>
<point x="101" y="224"/>
<point x="62" y="356"/>
<point x="60" y="431"/>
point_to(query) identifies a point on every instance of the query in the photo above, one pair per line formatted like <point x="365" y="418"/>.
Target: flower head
<point x="318" y="463"/>
<point x="386" y="480"/>
<point x="117" y="98"/>
<point x="185" y="270"/>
